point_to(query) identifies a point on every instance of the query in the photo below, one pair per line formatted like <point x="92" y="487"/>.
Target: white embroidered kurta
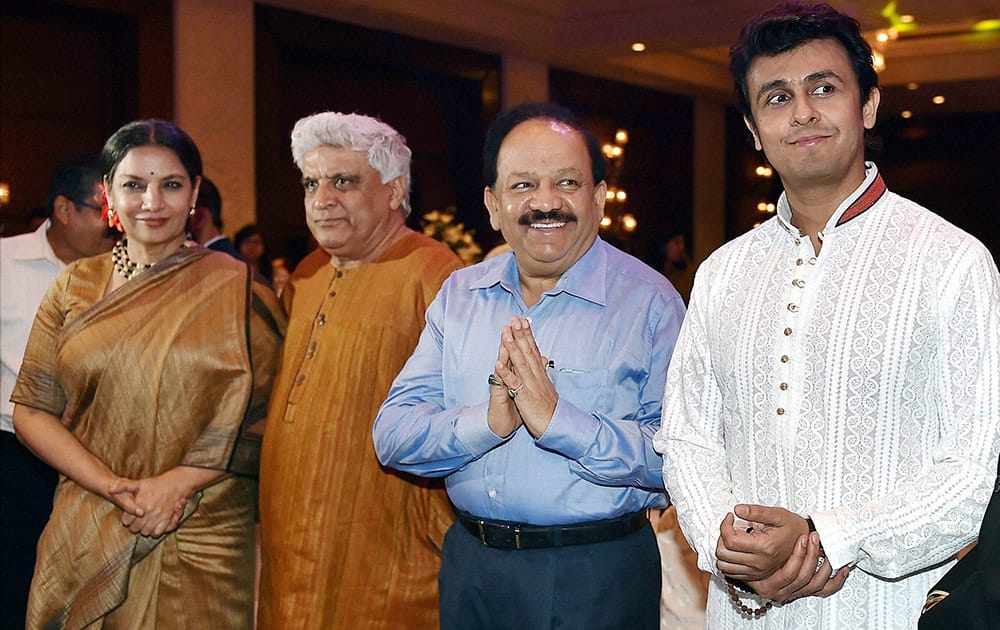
<point x="860" y="386"/>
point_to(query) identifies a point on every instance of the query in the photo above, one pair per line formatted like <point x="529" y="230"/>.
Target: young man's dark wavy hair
<point x="787" y="26"/>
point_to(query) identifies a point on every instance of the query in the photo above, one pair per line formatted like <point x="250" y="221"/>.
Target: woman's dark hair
<point x="245" y="232"/>
<point x="141" y="133"/>
<point x="506" y="122"/>
<point x="789" y="25"/>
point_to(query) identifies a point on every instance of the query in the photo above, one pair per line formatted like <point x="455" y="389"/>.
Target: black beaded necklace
<point x="125" y="266"/>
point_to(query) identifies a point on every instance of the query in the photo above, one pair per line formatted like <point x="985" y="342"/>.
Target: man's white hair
<point x="385" y="147"/>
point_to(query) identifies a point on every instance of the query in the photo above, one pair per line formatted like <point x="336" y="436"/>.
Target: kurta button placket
<point x="786" y="344"/>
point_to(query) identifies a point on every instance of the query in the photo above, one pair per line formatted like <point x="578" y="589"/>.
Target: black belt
<point x="507" y="535"/>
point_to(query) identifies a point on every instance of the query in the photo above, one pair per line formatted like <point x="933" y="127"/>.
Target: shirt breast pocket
<point x="587" y="389"/>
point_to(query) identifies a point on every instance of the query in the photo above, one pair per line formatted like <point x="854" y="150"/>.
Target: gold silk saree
<point x="173" y="368"/>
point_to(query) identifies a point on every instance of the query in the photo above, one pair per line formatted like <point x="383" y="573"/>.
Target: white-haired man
<point x="346" y="543"/>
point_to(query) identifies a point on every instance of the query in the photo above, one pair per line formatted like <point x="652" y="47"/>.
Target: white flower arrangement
<point x="441" y="225"/>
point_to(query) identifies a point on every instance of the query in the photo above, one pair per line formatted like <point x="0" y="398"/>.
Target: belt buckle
<point x="515" y="528"/>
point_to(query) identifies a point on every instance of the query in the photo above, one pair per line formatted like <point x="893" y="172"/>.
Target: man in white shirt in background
<point x="28" y="265"/>
<point x="830" y="422"/>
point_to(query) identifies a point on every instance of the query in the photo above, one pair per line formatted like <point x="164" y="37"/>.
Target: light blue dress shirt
<point x="609" y="326"/>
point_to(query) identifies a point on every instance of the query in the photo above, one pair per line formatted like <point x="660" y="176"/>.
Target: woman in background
<point x="249" y="242"/>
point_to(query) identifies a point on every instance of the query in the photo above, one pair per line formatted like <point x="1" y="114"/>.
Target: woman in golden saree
<point x="144" y="372"/>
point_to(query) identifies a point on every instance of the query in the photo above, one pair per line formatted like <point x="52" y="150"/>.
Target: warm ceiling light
<point x="912" y="86"/>
<point x="638" y="47"/>
<point x="906" y="113"/>
<point x="882" y="37"/>
<point x="610" y="194"/>
<point x="878" y="60"/>
<point x="605" y="221"/>
<point x="938" y="100"/>
<point x="621" y="136"/>
<point x="4" y="193"/>
<point x="620" y="195"/>
<point x="629" y="223"/>
<point x="907" y="19"/>
<point x="987" y="25"/>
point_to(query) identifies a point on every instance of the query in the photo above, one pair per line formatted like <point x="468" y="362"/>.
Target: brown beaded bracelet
<point x="743" y="608"/>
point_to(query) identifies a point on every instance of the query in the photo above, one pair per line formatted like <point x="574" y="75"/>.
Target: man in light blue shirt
<point x="535" y="390"/>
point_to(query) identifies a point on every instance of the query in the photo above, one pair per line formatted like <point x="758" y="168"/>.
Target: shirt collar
<point x="37" y="246"/>
<point x="857" y="203"/>
<point x="585" y="279"/>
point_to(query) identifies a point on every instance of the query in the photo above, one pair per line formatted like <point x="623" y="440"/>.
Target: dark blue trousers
<point x="612" y="585"/>
<point x="26" y="488"/>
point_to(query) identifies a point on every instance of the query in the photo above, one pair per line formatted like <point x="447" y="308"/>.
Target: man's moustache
<point x="538" y="216"/>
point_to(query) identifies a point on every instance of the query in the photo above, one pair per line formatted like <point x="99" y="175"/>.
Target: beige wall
<point x="214" y="92"/>
<point x="523" y="80"/>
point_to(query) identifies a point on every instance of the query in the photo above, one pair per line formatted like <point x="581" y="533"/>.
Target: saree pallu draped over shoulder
<point x="173" y="368"/>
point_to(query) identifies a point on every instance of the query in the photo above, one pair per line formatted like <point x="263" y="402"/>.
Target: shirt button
<point x="780" y="411"/>
<point x="812" y="260"/>
<point x="784" y="358"/>
<point x="798" y="283"/>
<point x="333" y="294"/>
<point x="788" y="331"/>
<point x="320" y="319"/>
<point x="493" y="494"/>
<point x="798" y="241"/>
<point x="793" y="308"/>
<point x="301" y="378"/>
<point x="340" y="274"/>
<point x="311" y="350"/>
<point x="798" y="261"/>
<point x="783" y="387"/>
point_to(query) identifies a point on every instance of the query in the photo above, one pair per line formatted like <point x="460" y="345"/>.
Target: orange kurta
<point x="345" y="542"/>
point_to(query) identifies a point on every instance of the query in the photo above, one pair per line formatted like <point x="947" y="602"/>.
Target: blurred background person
<point x="280" y="273"/>
<point x="206" y="222"/>
<point x="252" y="247"/>
<point x="143" y="370"/>
<point x="28" y="265"/>
<point x="677" y="264"/>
